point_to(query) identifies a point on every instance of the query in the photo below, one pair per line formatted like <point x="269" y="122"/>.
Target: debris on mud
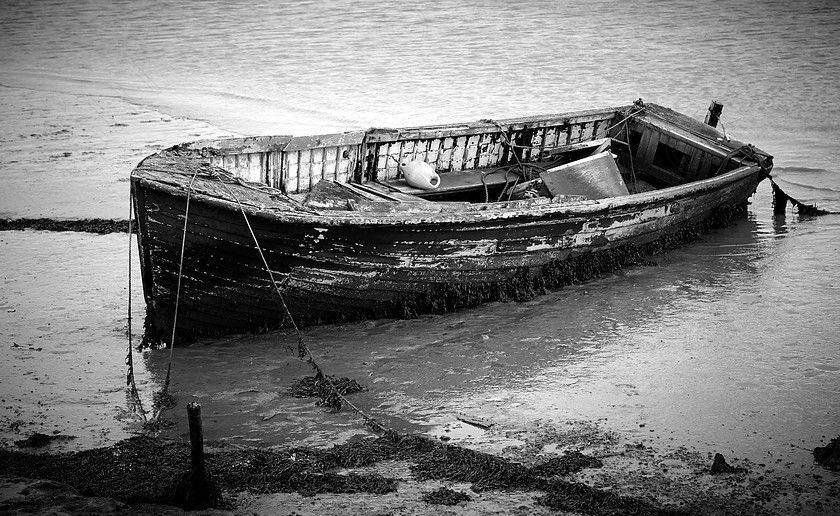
<point x="327" y="388"/>
<point x="571" y="462"/>
<point x="39" y="440"/>
<point x="572" y="497"/>
<point x="829" y="456"/>
<point x="721" y="466"/>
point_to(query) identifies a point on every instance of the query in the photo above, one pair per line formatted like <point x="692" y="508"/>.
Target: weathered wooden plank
<point x="421" y="150"/>
<point x="457" y="160"/>
<point x="345" y="165"/>
<point x="665" y="176"/>
<point x="229" y="162"/>
<point x="694" y="164"/>
<point x="275" y="169"/>
<point x="297" y="143"/>
<point x="445" y="158"/>
<point x="575" y="133"/>
<point x="587" y="130"/>
<point x="433" y="153"/>
<point x="330" y="160"/>
<point x="550" y="139"/>
<point x="497" y="150"/>
<point x="485" y="145"/>
<point x="245" y="145"/>
<point x="304" y="169"/>
<point x="408" y="151"/>
<point x="602" y="128"/>
<point x="516" y="124"/>
<point x="382" y="161"/>
<point x="647" y="148"/>
<point x="564" y="133"/>
<point x="256" y="167"/>
<point x="470" y="151"/>
<point x="393" y="160"/>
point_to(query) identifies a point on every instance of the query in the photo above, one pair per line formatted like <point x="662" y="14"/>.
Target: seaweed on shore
<point x="446" y="496"/>
<point x="141" y="470"/>
<point x="327" y="388"/>
<point x="97" y="226"/>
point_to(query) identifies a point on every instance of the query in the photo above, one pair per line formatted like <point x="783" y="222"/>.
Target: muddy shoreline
<point x="588" y="471"/>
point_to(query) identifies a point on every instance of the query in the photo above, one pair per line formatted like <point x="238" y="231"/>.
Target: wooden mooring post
<point x="196" y="441"/>
<point x="713" y="114"/>
<point x="196" y="489"/>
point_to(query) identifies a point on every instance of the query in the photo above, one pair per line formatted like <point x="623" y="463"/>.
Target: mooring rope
<point x="129" y="359"/>
<point x="630" y="155"/>
<point x="780" y="200"/>
<point x="780" y="197"/>
<point x="640" y="108"/>
<point x="303" y="349"/>
<point x="161" y="397"/>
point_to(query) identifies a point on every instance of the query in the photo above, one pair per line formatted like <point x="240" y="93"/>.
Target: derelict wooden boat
<point x="521" y="206"/>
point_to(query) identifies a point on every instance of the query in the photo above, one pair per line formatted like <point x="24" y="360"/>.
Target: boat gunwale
<point x="477" y="215"/>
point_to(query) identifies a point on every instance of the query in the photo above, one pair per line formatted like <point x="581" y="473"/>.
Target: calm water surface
<point x="728" y="345"/>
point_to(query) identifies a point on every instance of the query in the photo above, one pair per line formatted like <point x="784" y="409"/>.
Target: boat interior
<point x="577" y="157"/>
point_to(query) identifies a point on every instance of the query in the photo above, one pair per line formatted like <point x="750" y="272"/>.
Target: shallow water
<point x="728" y="345"/>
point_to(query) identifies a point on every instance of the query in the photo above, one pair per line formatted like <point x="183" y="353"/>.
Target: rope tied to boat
<point x="638" y="109"/>
<point x="136" y="402"/>
<point x="162" y="399"/>
<point x="780" y="198"/>
<point x="335" y="398"/>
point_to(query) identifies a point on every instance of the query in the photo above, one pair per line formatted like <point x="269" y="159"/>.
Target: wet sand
<point x="77" y="165"/>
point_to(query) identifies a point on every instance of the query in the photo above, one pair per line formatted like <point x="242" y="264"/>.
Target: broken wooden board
<point x="475" y="421"/>
<point x="596" y="177"/>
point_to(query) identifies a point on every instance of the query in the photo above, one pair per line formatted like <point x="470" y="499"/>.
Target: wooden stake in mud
<point x="196" y="441"/>
<point x="196" y="489"/>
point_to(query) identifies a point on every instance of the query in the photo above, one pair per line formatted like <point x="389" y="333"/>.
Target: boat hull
<point x="331" y="269"/>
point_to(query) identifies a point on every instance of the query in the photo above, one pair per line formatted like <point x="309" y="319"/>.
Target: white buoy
<point x="420" y="174"/>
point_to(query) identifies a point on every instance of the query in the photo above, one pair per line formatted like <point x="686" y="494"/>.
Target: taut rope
<point x="303" y="349"/>
<point x="162" y="398"/>
<point x="129" y="359"/>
